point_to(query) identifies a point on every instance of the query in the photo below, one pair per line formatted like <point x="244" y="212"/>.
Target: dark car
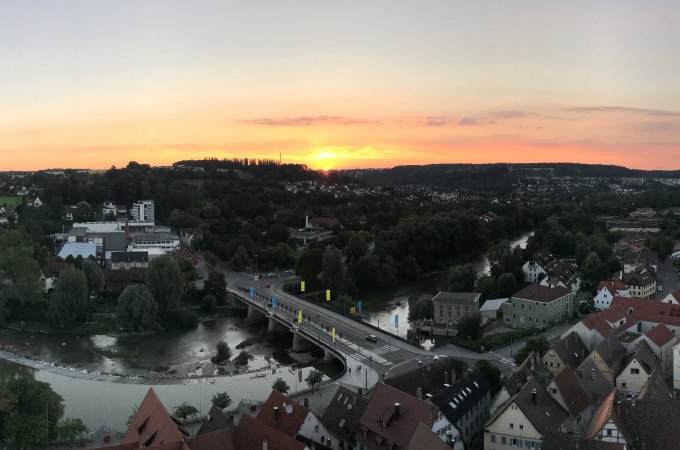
<point x="372" y="338"/>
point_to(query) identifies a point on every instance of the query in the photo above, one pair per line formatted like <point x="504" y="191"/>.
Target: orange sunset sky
<point x="339" y="84"/>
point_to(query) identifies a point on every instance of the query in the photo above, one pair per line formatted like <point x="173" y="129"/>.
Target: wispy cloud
<point x="307" y="121"/>
<point x="437" y="121"/>
<point x="623" y="109"/>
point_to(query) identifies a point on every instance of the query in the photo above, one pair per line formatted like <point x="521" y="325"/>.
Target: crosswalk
<point x="391" y="348"/>
<point x="509" y="361"/>
<point x="358" y="356"/>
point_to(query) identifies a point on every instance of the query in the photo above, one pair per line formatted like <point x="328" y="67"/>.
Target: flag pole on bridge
<point x="300" y="316"/>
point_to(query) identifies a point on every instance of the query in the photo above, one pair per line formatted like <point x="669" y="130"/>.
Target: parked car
<point x="372" y="338"/>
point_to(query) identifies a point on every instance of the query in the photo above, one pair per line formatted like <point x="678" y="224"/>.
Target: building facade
<point x="538" y="306"/>
<point x="144" y="211"/>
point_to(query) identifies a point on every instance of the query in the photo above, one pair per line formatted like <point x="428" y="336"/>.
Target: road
<point x="667" y="279"/>
<point x="388" y="356"/>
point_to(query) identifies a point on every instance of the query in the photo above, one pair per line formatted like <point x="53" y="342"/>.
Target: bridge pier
<point x="254" y="314"/>
<point x="300" y="344"/>
<point x="328" y="356"/>
<point x="274" y="326"/>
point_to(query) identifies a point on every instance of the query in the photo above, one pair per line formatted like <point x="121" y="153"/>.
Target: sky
<point x="339" y="84"/>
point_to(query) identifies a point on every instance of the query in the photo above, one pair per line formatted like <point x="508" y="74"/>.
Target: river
<point x="92" y="391"/>
<point x="385" y="304"/>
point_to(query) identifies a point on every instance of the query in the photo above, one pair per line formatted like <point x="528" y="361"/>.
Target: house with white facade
<point x="524" y="420"/>
<point x="606" y="291"/>
<point x="465" y="404"/>
<point x="641" y="283"/>
<point x="634" y="261"/>
<point x="636" y="370"/>
<point x="672" y="297"/>
<point x="548" y="270"/>
<point x="567" y="391"/>
<point x="567" y="351"/>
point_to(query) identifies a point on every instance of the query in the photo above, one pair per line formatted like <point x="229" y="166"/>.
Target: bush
<point x="242" y="358"/>
<point x="182" y="318"/>
<point x="223" y="353"/>
<point x="209" y="303"/>
<point x="281" y="386"/>
<point x="221" y="400"/>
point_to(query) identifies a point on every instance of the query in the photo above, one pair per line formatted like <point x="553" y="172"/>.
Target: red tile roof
<point x="424" y="438"/>
<point x="291" y="415"/>
<point x="573" y="394"/>
<point x="612" y="286"/>
<point x="543" y="294"/>
<point x="660" y="335"/>
<point x="601" y="415"/>
<point x="215" y="440"/>
<point x="601" y="321"/>
<point x="399" y="428"/>
<point x="649" y="310"/>
<point x="250" y="433"/>
<point x="152" y="425"/>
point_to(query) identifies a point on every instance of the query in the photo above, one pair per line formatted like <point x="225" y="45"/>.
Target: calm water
<point x="105" y="403"/>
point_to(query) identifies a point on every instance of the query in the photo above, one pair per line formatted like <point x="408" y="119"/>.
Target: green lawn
<point x="10" y="202"/>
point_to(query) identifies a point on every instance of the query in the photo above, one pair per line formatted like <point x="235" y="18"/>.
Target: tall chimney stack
<point x="419" y="393"/>
<point x="265" y="445"/>
<point x="396" y="411"/>
<point x="276" y="413"/>
<point x="534" y="397"/>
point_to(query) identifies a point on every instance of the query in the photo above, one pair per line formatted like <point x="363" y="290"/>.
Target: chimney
<point x="446" y="377"/>
<point x="592" y="374"/>
<point x="396" y="411"/>
<point x="360" y="392"/>
<point x="306" y="402"/>
<point x="419" y="393"/>
<point x="265" y="446"/>
<point x="276" y="413"/>
<point x="534" y="397"/>
<point x="306" y="221"/>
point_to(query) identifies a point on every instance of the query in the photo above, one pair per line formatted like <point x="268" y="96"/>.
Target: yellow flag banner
<point x="352" y="310"/>
<point x="300" y="316"/>
<point x="328" y="295"/>
<point x="333" y="332"/>
<point x="302" y="286"/>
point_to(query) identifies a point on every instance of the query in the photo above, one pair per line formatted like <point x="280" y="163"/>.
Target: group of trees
<point x="31" y="414"/>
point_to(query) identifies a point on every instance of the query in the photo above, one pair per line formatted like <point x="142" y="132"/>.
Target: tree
<point x="469" y="326"/>
<point x="281" y="386"/>
<point x="462" y="278"/>
<point x="209" y="303"/>
<point x="215" y="285"/>
<point x="70" y="430"/>
<point x="223" y="353"/>
<point x="308" y="264"/>
<point x="539" y="345"/>
<point x="184" y="411"/>
<point x="492" y="374"/>
<point x="332" y="269"/>
<point x="188" y="269"/>
<point x="93" y="275"/>
<point x="423" y="308"/>
<point x="221" y="400"/>
<point x="34" y="417"/>
<point x="506" y="285"/>
<point x="356" y="247"/>
<point x="137" y="310"/>
<point x="69" y="303"/>
<point x="166" y="283"/>
<point x="314" y="378"/>
<point x="242" y="358"/>
<point x="240" y="258"/>
<point x="661" y="244"/>
<point x="277" y="233"/>
<point x="486" y="286"/>
<point x="19" y="273"/>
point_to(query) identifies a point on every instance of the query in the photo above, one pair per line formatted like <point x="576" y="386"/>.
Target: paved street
<point x="667" y="279"/>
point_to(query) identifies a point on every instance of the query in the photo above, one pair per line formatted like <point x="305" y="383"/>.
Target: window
<point x="635" y="371"/>
<point x="609" y="432"/>
<point x="521" y="427"/>
<point x="514" y="442"/>
<point x="493" y="438"/>
<point x="503" y="440"/>
<point x="512" y="426"/>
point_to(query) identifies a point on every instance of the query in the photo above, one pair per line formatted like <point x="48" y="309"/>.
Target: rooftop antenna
<point x="279" y="157"/>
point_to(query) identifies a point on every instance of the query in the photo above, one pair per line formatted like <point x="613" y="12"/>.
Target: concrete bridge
<point x="366" y="362"/>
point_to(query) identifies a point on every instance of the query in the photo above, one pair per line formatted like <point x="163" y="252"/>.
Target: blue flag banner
<point x="252" y="292"/>
<point x="359" y="305"/>
<point x="396" y="321"/>
<point x="274" y="302"/>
